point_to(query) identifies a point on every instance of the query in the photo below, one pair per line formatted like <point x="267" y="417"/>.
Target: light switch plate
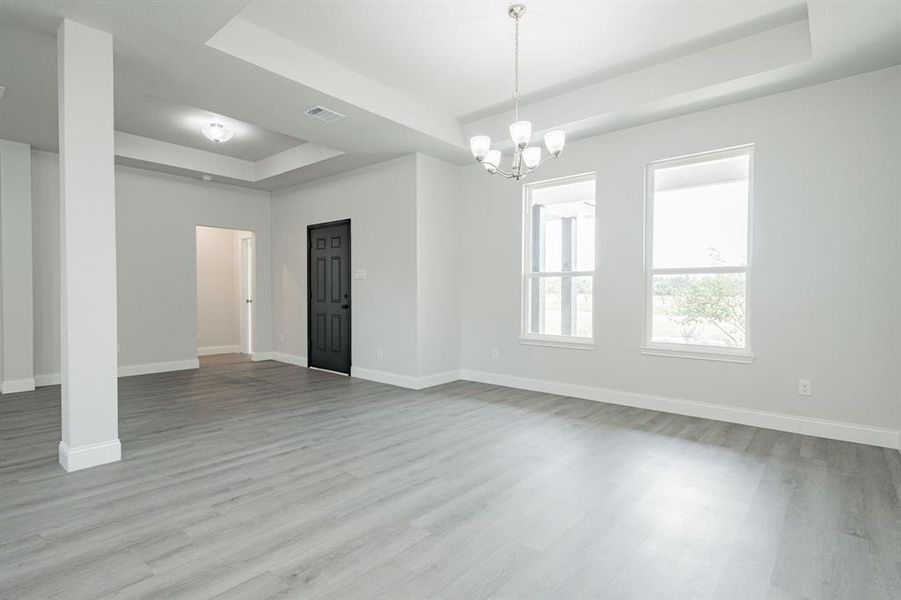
<point x="360" y="274"/>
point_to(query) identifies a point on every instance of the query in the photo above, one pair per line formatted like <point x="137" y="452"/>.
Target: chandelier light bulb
<point x="531" y="156"/>
<point x="492" y="160"/>
<point x="555" y="140"/>
<point x="217" y="132"/>
<point x="479" y="144"/>
<point x="521" y="133"/>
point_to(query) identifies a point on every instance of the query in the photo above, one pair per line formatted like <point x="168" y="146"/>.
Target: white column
<point x="90" y="434"/>
<point x="17" y="328"/>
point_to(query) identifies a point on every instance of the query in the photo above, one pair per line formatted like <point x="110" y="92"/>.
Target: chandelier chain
<point x="516" y="72"/>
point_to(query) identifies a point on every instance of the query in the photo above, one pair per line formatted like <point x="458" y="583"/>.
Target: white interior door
<point x="247" y="295"/>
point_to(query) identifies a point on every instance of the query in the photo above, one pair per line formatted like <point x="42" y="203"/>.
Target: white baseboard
<point x="210" y="350"/>
<point x="160" y="367"/>
<point x="291" y="359"/>
<point x="427" y="381"/>
<point x="13" y="386"/>
<point x="850" y="432"/>
<point x="837" y="430"/>
<point x="129" y="370"/>
<point x="91" y="455"/>
<point x="404" y="381"/>
<point x="44" y="380"/>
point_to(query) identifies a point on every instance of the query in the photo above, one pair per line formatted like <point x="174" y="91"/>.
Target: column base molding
<point x="90" y="455"/>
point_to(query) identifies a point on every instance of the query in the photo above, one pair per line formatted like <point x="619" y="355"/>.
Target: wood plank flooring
<point x="264" y="480"/>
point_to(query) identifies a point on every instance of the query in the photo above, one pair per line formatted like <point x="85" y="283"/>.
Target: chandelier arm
<point x="544" y="160"/>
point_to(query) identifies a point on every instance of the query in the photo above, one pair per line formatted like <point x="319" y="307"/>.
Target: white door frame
<point x="247" y="295"/>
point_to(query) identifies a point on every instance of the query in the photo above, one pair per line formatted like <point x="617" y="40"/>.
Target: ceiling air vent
<point x="323" y="114"/>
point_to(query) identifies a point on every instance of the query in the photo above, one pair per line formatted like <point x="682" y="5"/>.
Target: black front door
<point x="328" y="281"/>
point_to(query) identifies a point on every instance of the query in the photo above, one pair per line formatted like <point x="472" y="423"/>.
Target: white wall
<point x="46" y="253"/>
<point x="380" y="201"/>
<point x="218" y="288"/>
<point x="155" y="222"/>
<point x="16" y="281"/>
<point x="438" y="265"/>
<point x="826" y="276"/>
<point x="825" y="281"/>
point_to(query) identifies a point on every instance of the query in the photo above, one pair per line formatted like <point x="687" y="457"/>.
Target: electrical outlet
<point x="118" y="347"/>
<point x="282" y="337"/>
<point x="496" y="354"/>
<point x="379" y="353"/>
<point x="804" y="387"/>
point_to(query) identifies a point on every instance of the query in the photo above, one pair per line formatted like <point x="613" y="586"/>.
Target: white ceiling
<point x="420" y="76"/>
<point x="459" y="55"/>
<point x="180" y="124"/>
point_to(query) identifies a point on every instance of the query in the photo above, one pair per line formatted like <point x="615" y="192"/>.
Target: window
<point x="698" y="211"/>
<point x="558" y="279"/>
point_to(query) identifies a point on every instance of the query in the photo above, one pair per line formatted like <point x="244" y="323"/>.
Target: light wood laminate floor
<point x="264" y="480"/>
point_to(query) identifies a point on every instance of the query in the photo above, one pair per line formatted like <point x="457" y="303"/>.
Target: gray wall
<point x="437" y="265"/>
<point x="381" y="203"/>
<point x="825" y="279"/>
<point x="16" y="276"/>
<point x="826" y="275"/>
<point x="155" y="221"/>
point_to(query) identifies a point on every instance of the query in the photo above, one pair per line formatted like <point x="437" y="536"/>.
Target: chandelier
<point x="526" y="159"/>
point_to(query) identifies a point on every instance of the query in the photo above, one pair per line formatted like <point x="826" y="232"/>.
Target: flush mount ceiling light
<point x="525" y="158"/>
<point x="217" y="132"/>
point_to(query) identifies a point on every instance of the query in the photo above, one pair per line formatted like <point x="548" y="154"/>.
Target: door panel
<point x="329" y="296"/>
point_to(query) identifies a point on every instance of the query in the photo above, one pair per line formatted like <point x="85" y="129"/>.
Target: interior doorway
<point x="329" y="297"/>
<point x="247" y="275"/>
<point x="226" y="284"/>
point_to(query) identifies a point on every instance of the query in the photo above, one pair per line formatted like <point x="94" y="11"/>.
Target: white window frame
<point x="537" y="339"/>
<point x="698" y="351"/>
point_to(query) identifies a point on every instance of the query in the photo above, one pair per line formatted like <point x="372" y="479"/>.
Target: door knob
<point x="345" y="305"/>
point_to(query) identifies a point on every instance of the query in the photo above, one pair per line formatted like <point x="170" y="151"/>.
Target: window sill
<point x="697" y="354"/>
<point x="558" y="342"/>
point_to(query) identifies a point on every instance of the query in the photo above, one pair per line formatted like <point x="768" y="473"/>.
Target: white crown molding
<point x="258" y="46"/>
<point x="292" y="158"/>
<point x="157" y="152"/>
<point x="647" y="94"/>
<point x="90" y="455"/>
